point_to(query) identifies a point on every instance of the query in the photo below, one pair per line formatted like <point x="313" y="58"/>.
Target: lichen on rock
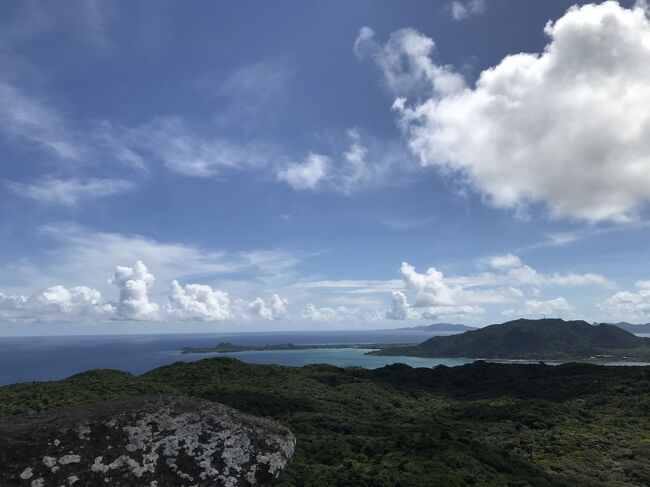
<point x="147" y="440"/>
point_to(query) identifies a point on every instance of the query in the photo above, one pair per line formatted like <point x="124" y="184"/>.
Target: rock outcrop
<point x="145" y="441"/>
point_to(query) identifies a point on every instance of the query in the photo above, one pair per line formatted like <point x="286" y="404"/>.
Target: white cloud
<point x="27" y="118"/>
<point x="436" y="295"/>
<point x="462" y="9"/>
<point x="307" y="174"/>
<point x="626" y="304"/>
<point x="566" y="128"/>
<point x="507" y="261"/>
<point x="355" y="286"/>
<point x="133" y="284"/>
<point x="512" y="271"/>
<point x="549" y="307"/>
<point x="258" y="308"/>
<point x="400" y="308"/>
<point x="355" y="167"/>
<point x="433" y="295"/>
<point x="339" y="314"/>
<point x="55" y="303"/>
<point x="77" y="253"/>
<point x="199" y="302"/>
<point x="70" y="192"/>
<point x="191" y="302"/>
<point x="278" y="307"/>
<point x="406" y="63"/>
<point x="202" y="302"/>
<point x="431" y="288"/>
<point x="364" y="162"/>
<point x="186" y="152"/>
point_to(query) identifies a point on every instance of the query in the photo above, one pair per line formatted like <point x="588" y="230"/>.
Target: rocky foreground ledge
<point x="145" y="441"/>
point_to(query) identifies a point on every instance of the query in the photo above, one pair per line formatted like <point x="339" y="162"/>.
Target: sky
<point x="251" y="166"/>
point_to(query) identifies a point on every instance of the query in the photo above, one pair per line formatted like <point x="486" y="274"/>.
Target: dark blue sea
<point x="51" y="358"/>
<point x="25" y="359"/>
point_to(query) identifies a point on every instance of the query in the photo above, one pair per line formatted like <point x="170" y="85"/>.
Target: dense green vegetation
<point x="479" y="424"/>
<point x="547" y="339"/>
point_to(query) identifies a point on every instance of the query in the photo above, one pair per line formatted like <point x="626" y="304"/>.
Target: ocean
<point x="24" y="359"/>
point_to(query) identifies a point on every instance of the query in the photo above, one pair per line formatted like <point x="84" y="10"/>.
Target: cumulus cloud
<point x="199" y="302"/>
<point x="189" y="302"/>
<point x="70" y="192"/>
<point x="134" y="284"/>
<point x="461" y="10"/>
<point x="431" y="288"/>
<point x="400" y="309"/>
<point x="55" y="303"/>
<point x="307" y="174"/>
<point x="258" y="308"/>
<point x="202" y="302"/>
<point x="629" y="304"/>
<point x="278" y="307"/>
<point x="361" y="161"/>
<point x="436" y="295"/>
<point x="566" y="128"/>
<point x="78" y="299"/>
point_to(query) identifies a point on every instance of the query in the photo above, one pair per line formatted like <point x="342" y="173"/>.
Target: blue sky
<point x="321" y="165"/>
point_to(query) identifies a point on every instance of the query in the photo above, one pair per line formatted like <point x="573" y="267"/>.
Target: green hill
<point x="482" y="424"/>
<point x="533" y="339"/>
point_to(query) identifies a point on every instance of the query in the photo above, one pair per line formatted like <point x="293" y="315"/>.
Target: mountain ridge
<point x="547" y="338"/>
<point x="441" y="327"/>
<point x="631" y="327"/>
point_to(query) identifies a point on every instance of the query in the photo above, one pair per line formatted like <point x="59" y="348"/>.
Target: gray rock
<point x="147" y="440"/>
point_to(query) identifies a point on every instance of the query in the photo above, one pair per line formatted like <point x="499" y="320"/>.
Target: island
<point x="437" y="328"/>
<point x="227" y="347"/>
<point x="545" y="339"/>
<point x="642" y="328"/>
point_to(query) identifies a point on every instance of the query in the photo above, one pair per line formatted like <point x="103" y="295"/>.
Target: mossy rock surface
<point x="145" y="440"/>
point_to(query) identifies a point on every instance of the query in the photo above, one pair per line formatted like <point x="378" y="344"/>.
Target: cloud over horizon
<point x="191" y="302"/>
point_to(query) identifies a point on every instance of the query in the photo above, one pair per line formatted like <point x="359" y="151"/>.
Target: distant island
<point x="552" y="339"/>
<point x="438" y="327"/>
<point x="227" y="347"/>
<point x="644" y="328"/>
